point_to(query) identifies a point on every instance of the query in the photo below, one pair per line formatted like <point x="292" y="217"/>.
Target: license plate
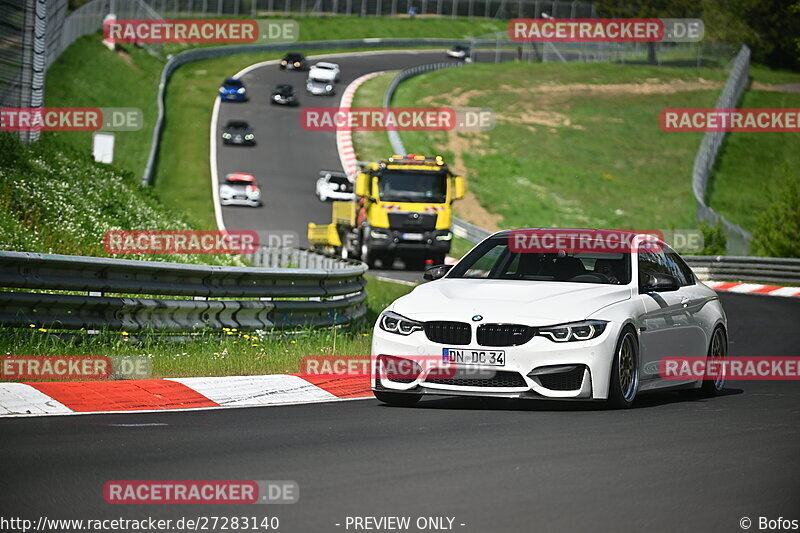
<point x="412" y="236"/>
<point x="460" y="356"/>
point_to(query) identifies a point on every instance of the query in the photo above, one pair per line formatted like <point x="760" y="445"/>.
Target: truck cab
<point x="402" y="208"/>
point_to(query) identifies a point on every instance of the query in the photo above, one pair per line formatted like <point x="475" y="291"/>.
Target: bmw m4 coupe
<point x="584" y="323"/>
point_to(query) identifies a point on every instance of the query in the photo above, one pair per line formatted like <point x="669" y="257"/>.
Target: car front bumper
<point x="239" y="201"/>
<point x="592" y="361"/>
<point x="399" y="241"/>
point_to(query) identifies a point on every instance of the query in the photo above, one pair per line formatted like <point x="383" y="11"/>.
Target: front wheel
<point x="624" y="371"/>
<point x="714" y="382"/>
<point x="397" y="398"/>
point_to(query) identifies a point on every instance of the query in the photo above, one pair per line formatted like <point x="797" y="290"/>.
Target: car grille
<point x="504" y="334"/>
<point x="488" y="379"/>
<point x="412" y="221"/>
<point x="443" y="332"/>
<point x="570" y="380"/>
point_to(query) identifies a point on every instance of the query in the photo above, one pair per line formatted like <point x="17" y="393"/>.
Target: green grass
<point x="90" y="75"/>
<point x="370" y="145"/>
<point x="568" y="156"/>
<point x="54" y="200"/>
<point x="227" y="353"/>
<point x="753" y="165"/>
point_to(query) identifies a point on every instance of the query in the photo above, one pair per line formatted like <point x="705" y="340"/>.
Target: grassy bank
<point x="569" y="135"/>
<point x="54" y="200"/>
<point x="226" y="353"/>
<point x="753" y="167"/>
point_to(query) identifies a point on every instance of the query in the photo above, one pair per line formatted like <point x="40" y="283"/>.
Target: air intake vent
<point x="504" y="334"/>
<point x="458" y="333"/>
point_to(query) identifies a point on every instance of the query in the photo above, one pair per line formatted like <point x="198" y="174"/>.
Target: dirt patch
<point x="127" y="59"/>
<point x="468" y="207"/>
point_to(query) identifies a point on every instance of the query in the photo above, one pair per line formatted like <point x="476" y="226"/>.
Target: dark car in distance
<point x="238" y="132"/>
<point x="284" y="94"/>
<point x="294" y="61"/>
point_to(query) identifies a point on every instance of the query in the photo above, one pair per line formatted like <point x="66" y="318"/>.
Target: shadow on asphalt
<point x="654" y="399"/>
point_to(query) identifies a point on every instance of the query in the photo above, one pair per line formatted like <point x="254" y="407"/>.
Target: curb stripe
<point x="134" y="395"/>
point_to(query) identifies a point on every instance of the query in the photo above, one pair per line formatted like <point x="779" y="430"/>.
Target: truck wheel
<point x="367" y="255"/>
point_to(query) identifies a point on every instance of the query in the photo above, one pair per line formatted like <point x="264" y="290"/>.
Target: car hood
<point x="537" y="303"/>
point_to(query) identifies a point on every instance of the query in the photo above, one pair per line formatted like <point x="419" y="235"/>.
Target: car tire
<point x="624" y="382"/>
<point x="717" y="349"/>
<point x="438" y="259"/>
<point x="398" y="399"/>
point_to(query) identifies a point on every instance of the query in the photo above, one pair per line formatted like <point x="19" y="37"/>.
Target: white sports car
<point x="574" y="324"/>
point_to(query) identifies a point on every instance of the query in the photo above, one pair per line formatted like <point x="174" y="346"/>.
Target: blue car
<point x="233" y="90"/>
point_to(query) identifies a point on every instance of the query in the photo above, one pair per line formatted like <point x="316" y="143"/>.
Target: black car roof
<point x="232" y="81"/>
<point x="295" y="55"/>
<point x="238" y="124"/>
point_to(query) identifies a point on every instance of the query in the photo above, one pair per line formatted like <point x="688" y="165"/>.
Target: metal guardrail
<point x="203" y="297"/>
<point x="742" y="268"/>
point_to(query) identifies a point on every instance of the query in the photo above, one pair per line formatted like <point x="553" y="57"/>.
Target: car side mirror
<point x="363" y="184"/>
<point x="436" y="272"/>
<point x="459" y="188"/>
<point x="658" y="282"/>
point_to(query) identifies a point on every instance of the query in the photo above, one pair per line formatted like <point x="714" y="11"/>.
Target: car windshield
<point x="338" y="180"/>
<point x="492" y="259"/>
<point x="325" y="67"/>
<point x="398" y="186"/>
<point x="237" y="125"/>
<point x="233" y="83"/>
<point x="293" y="57"/>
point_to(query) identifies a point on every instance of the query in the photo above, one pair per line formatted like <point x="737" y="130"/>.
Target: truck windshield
<point x="417" y="187"/>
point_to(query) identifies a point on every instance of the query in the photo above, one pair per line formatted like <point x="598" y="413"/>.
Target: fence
<point x="365" y="8"/>
<point x="738" y="238"/>
<point x="201" y="296"/>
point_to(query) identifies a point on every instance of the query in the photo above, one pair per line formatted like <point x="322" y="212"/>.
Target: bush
<point x="777" y="233"/>
<point x="714" y="240"/>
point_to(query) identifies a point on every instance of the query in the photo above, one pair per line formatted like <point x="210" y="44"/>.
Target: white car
<point x="333" y="185"/>
<point x="574" y="324"/>
<point x="459" y="52"/>
<point x="324" y="71"/>
<point x="240" y="188"/>
<point x="321" y="79"/>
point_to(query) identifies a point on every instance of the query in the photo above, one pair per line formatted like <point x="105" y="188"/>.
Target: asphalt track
<point x="287" y="159"/>
<point x="672" y="463"/>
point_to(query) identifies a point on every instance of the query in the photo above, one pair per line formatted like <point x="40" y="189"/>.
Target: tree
<point x="777" y="232"/>
<point x="645" y="9"/>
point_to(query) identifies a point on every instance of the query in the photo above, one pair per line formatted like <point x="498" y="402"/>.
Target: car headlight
<point x="297" y="63"/>
<point x="226" y="135"/>
<point x="283" y="62"/>
<point x="222" y="89"/>
<point x="394" y="323"/>
<point x="329" y="87"/>
<point x="241" y="90"/>
<point x="249" y="136"/>
<point x="575" y="331"/>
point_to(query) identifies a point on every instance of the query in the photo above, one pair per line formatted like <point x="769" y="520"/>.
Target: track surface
<point x="672" y="463"/>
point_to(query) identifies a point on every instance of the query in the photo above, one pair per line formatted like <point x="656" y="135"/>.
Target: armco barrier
<point x="738" y="268"/>
<point x="202" y="296"/>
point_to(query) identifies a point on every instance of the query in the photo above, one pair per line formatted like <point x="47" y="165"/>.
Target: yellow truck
<point x="402" y="208"/>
